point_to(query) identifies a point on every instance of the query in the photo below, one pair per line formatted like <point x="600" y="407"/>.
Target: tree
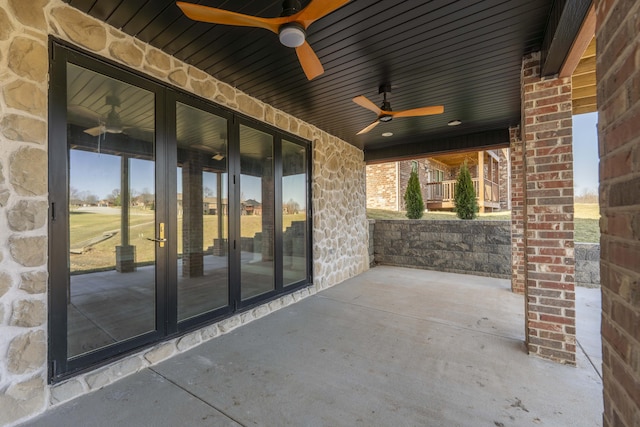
<point x="465" y="197"/>
<point x="75" y="197"/>
<point x="292" y="207"/>
<point x="413" y="197"/>
<point x="114" y="197"/>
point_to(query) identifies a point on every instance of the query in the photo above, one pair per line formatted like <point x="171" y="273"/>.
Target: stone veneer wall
<point x="340" y="225"/>
<point x="472" y="247"/>
<point x="587" y="264"/>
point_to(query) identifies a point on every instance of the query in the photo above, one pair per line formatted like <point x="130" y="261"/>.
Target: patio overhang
<point x="467" y="59"/>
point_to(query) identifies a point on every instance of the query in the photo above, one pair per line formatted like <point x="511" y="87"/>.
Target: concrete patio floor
<point x="391" y="347"/>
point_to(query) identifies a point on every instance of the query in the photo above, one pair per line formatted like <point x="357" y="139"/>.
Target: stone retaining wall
<point x="587" y="264"/>
<point x="472" y="247"/>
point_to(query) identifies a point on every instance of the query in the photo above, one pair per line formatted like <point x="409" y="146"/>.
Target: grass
<point x="586" y="217"/>
<point x="86" y="227"/>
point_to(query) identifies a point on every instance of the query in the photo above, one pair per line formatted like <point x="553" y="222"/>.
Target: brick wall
<point x="404" y="172"/>
<point x="618" y="71"/>
<point x="504" y="179"/>
<point x="516" y="151"/>
<point x="548" y="209"/>
<point x="382" y="188"/>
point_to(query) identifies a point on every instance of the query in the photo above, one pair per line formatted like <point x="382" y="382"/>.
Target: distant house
<point x="209" y="205"/>
<point x="490" y="172"/>
<point x="251" y="207"/>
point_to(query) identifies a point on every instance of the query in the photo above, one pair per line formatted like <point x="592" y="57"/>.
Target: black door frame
<point x="167" y="326"/>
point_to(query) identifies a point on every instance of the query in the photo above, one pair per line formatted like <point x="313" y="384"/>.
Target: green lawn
<point x="587" y="219"/>
<point x="87" y="227"/>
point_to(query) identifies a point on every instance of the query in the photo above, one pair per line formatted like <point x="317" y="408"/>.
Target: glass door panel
<point x="112" y="158"/>
<point x="294" y="208"/>
<point x="256" y="213"/>
<point x="202" y="220"/>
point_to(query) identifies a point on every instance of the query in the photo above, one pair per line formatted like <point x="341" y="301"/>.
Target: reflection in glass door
<point x="112" y="263"/>
<point x="256" y="213"/>
<point x="202" y="214"/>
<point x="294" y="213"/>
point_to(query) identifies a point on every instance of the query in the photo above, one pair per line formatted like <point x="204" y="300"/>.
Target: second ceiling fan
<point x="385" y="114"/>
<point x="291" y="26"/>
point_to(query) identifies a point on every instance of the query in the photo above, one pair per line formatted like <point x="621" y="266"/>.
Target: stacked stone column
<point x="23" y="209"/>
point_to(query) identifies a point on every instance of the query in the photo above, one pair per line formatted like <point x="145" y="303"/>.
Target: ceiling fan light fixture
<point x="113" y="123"/>
<point x="385" y="118"/>
<point x="292" y="35"/>
<point x="455" y="122"/>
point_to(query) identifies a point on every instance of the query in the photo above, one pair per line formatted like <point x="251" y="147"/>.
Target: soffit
<point x="463" y="55"/>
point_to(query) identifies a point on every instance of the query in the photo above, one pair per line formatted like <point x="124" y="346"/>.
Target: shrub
<point x="466" y="205"/>
<point x="413" y="197"/>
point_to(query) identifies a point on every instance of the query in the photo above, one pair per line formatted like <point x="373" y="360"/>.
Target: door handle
<point x="160" y="239"/>
<point x="156" y="240"/>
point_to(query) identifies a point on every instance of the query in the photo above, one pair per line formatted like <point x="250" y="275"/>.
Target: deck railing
<point x="445" y="191"/>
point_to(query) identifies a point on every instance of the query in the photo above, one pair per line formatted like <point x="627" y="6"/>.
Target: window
<point x="167" y="212"/>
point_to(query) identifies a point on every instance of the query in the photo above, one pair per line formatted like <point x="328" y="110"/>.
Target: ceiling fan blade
<point x="83" y="112"/>
<point x="94" y="131"/>
<point x="366" y="103"/>
<point x="226" y="17"/>
<point x="317" y="9"/>
<point x="309" y="61"/>
<point x="368" y="128"/>
<point x="423" y="111"/>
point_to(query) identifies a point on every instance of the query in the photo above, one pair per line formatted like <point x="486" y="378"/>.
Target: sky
<point x="99" y="174"/>
<point x="585" y="153"/>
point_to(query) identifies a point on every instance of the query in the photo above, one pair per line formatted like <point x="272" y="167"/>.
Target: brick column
<point x="548" y="209"/>
<point x="192" y="221"/>
<point x="516" y="150"/>
<point x="618" y="71"/>
<point x="268" y="212"/>
<point x="504" y="179"/>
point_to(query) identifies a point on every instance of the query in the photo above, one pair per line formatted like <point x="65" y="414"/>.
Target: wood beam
<point x="585" y="36"/>
<point x="487" y="140"/>
<point x="565" y="22"/>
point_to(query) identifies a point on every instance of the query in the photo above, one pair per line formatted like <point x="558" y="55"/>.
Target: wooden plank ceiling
<point x="583" y="82"/>
<point x="465" y="55"/>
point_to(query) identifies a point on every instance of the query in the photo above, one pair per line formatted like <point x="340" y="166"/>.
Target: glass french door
<point x="257" y="213"/>
<point x="115" y="229"/>
<point x="202" y="211"/>
<point x="167" y="212"/>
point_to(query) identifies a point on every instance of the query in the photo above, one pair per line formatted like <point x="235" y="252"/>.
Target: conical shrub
<point x="413" y="197"/>
<point x="466" y="205"/>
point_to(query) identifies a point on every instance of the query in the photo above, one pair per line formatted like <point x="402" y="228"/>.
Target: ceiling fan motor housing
<point x="292" y="34"/>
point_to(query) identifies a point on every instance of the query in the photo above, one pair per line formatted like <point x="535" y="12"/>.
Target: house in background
<point x="490" y="172"/>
